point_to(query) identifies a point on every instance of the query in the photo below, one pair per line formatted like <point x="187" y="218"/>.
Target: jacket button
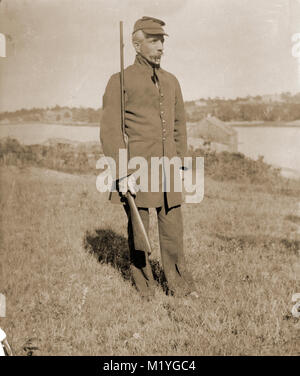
<point x="163" y="121"/>
<point x="164" y="130"/>
<point x="164" y="138"/>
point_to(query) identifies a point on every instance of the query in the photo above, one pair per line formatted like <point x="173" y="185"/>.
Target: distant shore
<point x="257" y="123"/>
<point x="42" y="123"/>
<point x="236" y="123"/>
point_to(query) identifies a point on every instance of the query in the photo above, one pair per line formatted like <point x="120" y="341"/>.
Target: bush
<point x="236" y="167"/>
<point x="59" y="156"/>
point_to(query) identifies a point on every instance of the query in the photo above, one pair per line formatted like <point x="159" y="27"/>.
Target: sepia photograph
<point x="150" y="180"/>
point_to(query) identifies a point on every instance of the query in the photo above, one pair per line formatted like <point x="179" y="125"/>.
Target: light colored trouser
<point x="170" y="227"/>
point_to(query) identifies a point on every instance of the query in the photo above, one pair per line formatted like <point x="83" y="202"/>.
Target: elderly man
<point x="155" y="127"/>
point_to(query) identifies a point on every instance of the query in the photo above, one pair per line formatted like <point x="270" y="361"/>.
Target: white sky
<point x="64" y="51"/>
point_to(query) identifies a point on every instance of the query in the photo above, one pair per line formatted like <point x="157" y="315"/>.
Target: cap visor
<point x="155" y="32"/>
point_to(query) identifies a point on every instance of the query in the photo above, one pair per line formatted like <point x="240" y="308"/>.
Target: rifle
<point x="141" y="241"/>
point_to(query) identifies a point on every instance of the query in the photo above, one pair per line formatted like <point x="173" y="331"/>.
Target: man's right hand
<point x="127" y="184"/>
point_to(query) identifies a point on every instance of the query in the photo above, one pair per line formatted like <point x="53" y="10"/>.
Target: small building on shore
<point x="212" y="133"/>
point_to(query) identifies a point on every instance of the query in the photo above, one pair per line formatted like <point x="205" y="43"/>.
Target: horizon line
<point x="222" y="98"/>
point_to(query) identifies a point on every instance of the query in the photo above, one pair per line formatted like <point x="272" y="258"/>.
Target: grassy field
<point x="66" y="296"/>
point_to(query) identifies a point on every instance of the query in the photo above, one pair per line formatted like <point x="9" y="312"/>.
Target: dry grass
<point x="241" y="246"/>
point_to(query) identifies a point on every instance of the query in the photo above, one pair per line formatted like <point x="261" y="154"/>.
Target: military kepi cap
<point x="150" y="25"/>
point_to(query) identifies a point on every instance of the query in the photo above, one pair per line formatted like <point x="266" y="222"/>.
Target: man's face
<point x="151" y="47"/>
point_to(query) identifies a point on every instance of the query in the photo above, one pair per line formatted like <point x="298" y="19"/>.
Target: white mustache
<point x="156" y="58"/>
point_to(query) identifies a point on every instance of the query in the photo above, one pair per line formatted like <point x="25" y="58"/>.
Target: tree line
<point x="57" y="114"/>
<point x="278" y="107"/>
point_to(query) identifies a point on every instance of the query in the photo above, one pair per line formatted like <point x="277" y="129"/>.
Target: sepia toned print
<point x="186" y="114"/>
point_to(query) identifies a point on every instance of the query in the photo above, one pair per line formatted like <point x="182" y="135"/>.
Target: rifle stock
<point x="141" y="241"/>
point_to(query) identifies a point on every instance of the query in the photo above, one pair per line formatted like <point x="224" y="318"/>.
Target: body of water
<point x="279" y="146"/>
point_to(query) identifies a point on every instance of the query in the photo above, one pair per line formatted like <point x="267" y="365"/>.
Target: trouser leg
<point x="139" y="262"/>
<point x="170" y="227"/>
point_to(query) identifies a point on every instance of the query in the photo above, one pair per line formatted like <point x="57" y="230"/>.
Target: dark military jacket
<point x="154" y="123"/>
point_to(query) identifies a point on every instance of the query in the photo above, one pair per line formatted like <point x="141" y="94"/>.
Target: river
<point x="280" y="146"/>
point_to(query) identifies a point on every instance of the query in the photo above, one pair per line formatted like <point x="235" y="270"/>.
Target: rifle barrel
<point x="122" y="80"/>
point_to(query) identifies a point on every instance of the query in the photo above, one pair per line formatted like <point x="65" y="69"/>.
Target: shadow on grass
<point x="111" y="248"/>
<point x="293" y="218"/>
